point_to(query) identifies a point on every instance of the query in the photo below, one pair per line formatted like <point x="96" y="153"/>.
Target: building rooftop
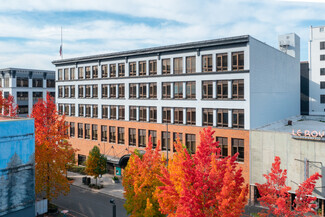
<point x="24" y="70"/>
<point x="7" y="118"/>
<point x="310" y="123"/>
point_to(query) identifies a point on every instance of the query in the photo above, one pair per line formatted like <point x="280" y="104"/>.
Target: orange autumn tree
<point x="52" y="151"/>
<point x="140" y="179"/>
<point x="8" y="107"/>
<point x="202" y="184"/>
<point x="275" y="194"/>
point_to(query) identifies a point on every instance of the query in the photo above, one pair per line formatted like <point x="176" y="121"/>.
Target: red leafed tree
<point x="9" y="107"/>
<point x="202" y="184"/>
<point x="275" y="196"/>
<point x="140" y="179"/>
<point x="52" y="151"/>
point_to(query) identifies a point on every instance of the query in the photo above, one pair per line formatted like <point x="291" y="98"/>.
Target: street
<point x="86" y="203"/>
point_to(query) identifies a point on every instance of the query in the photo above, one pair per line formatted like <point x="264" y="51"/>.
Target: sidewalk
<point x="110" y="188"/>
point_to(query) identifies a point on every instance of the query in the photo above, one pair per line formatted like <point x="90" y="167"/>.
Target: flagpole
<point x="61" y="45"/>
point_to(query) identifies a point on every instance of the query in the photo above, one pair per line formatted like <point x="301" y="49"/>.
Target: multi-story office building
<point x="317" y="70"/>
<point x="118" y="100"/>
<point x="27" y="86"/>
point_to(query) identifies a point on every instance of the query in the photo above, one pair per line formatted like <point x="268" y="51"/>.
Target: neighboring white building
<point x="316" y="56"/>
<point x="26" y="86"/>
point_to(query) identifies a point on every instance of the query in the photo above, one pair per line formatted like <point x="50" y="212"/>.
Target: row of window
<point x="139" y="138"/>
<point x="170" y="90"/>
<point x="149" y="114"/>
<point x="23" y="82"/>
<point x="23" y="96"/>
<point x="118" y="70"/>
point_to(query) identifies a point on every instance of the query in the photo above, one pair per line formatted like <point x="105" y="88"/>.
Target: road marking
<point x="71" y="210"/>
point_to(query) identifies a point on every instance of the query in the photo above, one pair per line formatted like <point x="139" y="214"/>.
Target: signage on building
<point x="308" y="135"/>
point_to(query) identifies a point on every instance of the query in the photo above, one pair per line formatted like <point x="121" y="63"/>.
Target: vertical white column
<point x="198" y="89"/>
<point x="214" y="65"/>
<point x="147" y="86"/>
<point x="171" y="65"/>
<point x="127" y="71"/>
<point x="127" y="109"/>
<point x="109" y="112"/>
<point x="137" y="91"/>
<point x="184" y="90"/>
<point x="214" y="89"/>
<point x="127" y="90"/>
<point x="229" y="89"/>
<point x="117" y="111"/>
<point x="198" y="116"/>
<point x="172" y="90"/>
<point x="147" y="67"/>
<point x="99" y="91"/>
<point x="198" y="63"/>
<point x="117" y="90"/>
<point x="184" y="65"/>
<point x="230" y="118"/>
<point x="159" y="66"/>
<point x="99" y="111"/>
<point x="184" y="116"/>
<point x="99" y="70"/>
<point x="109" y="90"/>
<point x="229" y="61"/>
<point x="148" y="113"/>
<point x="137" y="68"/>
<point x="214" y="117"/>
<point x="91" y="110"/>
<point x="159" y="90"/>
<point x="159" y="114"/>
<point x="138" y="113"/>
<point x="172" y="115"/>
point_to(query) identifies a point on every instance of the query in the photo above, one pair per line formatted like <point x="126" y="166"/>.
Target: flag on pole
<point x="61" y="50"/>
<point x="61" y="54"/>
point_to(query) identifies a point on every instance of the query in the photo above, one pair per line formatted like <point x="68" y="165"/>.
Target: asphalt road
<point x="86" y="203"/>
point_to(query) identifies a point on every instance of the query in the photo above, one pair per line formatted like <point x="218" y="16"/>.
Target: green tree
<point x="96" y="163"/>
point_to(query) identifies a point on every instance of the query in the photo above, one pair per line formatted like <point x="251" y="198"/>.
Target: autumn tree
<point x="275" y="194"/>
<point x="140" y="179"/>
<point x="52" y="151"/>
<point x="202" y="184"/>
<point x="8" y="107"/>
<point x="96" y="163"/>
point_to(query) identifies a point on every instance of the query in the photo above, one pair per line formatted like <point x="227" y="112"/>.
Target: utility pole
<point x="167" y="143"/>
<point x="112" y="202"/>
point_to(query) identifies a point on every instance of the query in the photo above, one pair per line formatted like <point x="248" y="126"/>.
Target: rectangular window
<point x="72" y="73"/>
<point x="322" y="85"/>
<point x="112" y="70"/>
<point x="120" y="136"/>
<point x="178" y="90"/>
<point x="94" y="133"/>
<point x="178" y="116"/>
<point x="153" y="90"/>
<point x="223" y="144"/>
<point x="153" y="67"/>
<point x="121" y="112"/>
<point x="87" y="90"/>
<point x="66" y="109"/>
<point x="153" y="134"/>
<point x="113" y="112"/>
<point x="81" y="110"/>
<point x="166" y="115"/>
<point x="104" y="133"/>
<point x="142" y="138"/>
<point x="207" y="63"/>
<point x="166" y="90"/>
<point x="132" y="137"/>
<point x="37" y="82"/>
<point x="322" y="71"/>
<point x="66" y="91"/>
<point x="66" y="74"/>
<point x="133" y="91"/>
<point x="80" y="91"/>
<point x="88" y="110"/>
<point x="238" y="61"/>
<point x="22" y="96"/>
<point x="95" y="111"/>
<point x="153" y="114"/>
<point x="87" y="70"/>
<point x="190" y="90"/>
<point x="322" y="98"/>
<point x="322" y="45"/>
<point x="190" y="116"/>
<point x="175" y="137"/>
<point x="222" y="62"/>
<point x="237" y="146"/>
<point x="238" y="89"/>
<point x="142" y="113"/>
<point x="50" y="83"/>
<point x="60" y="110"/>
<point x="121" y="69"/>
<point x="112" y="91"/>
<point x="207" y="117"/>
<point x="190" y="143"/>
<point x="238" y="118"/>
<point x="80" y="130"/>
<point x="22" y="109"/>
<point x="165" y="142"/>
<point x="222" y="119"/>
<point x="95" y="91"/>
<point x="166" y="66"/>
<point x="60" y="75"/>
<point x="73" y="110"/>
<point x="112" y="134"/>
<point x="133" y="69"/>
<point x="104" y="71"/>
<point x="133" y="113"/>
<point x="207" y="90"/>
<point x="6" y="84"/>
<point x="80" y="73"/>
<point x="72" y="91"/>
<point x="95" y="71"/>
<point x="20" y="82"/>
<point x="142" y="68"/>
<point x="87" y="131"/>
<point x="143" y="91"/>
<point x="178" y="65"/>
<point x="121" y="91"/>
<point x="37" y="96"/>
<point x="104" y="90"/>
<point x="222" y="89"/>
<point x="190" y="64"/>
<point x="105" y="111"/>
<point x="72" y="129"/>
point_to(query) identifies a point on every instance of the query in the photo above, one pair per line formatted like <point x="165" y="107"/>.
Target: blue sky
<point x="30" y="29"/>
